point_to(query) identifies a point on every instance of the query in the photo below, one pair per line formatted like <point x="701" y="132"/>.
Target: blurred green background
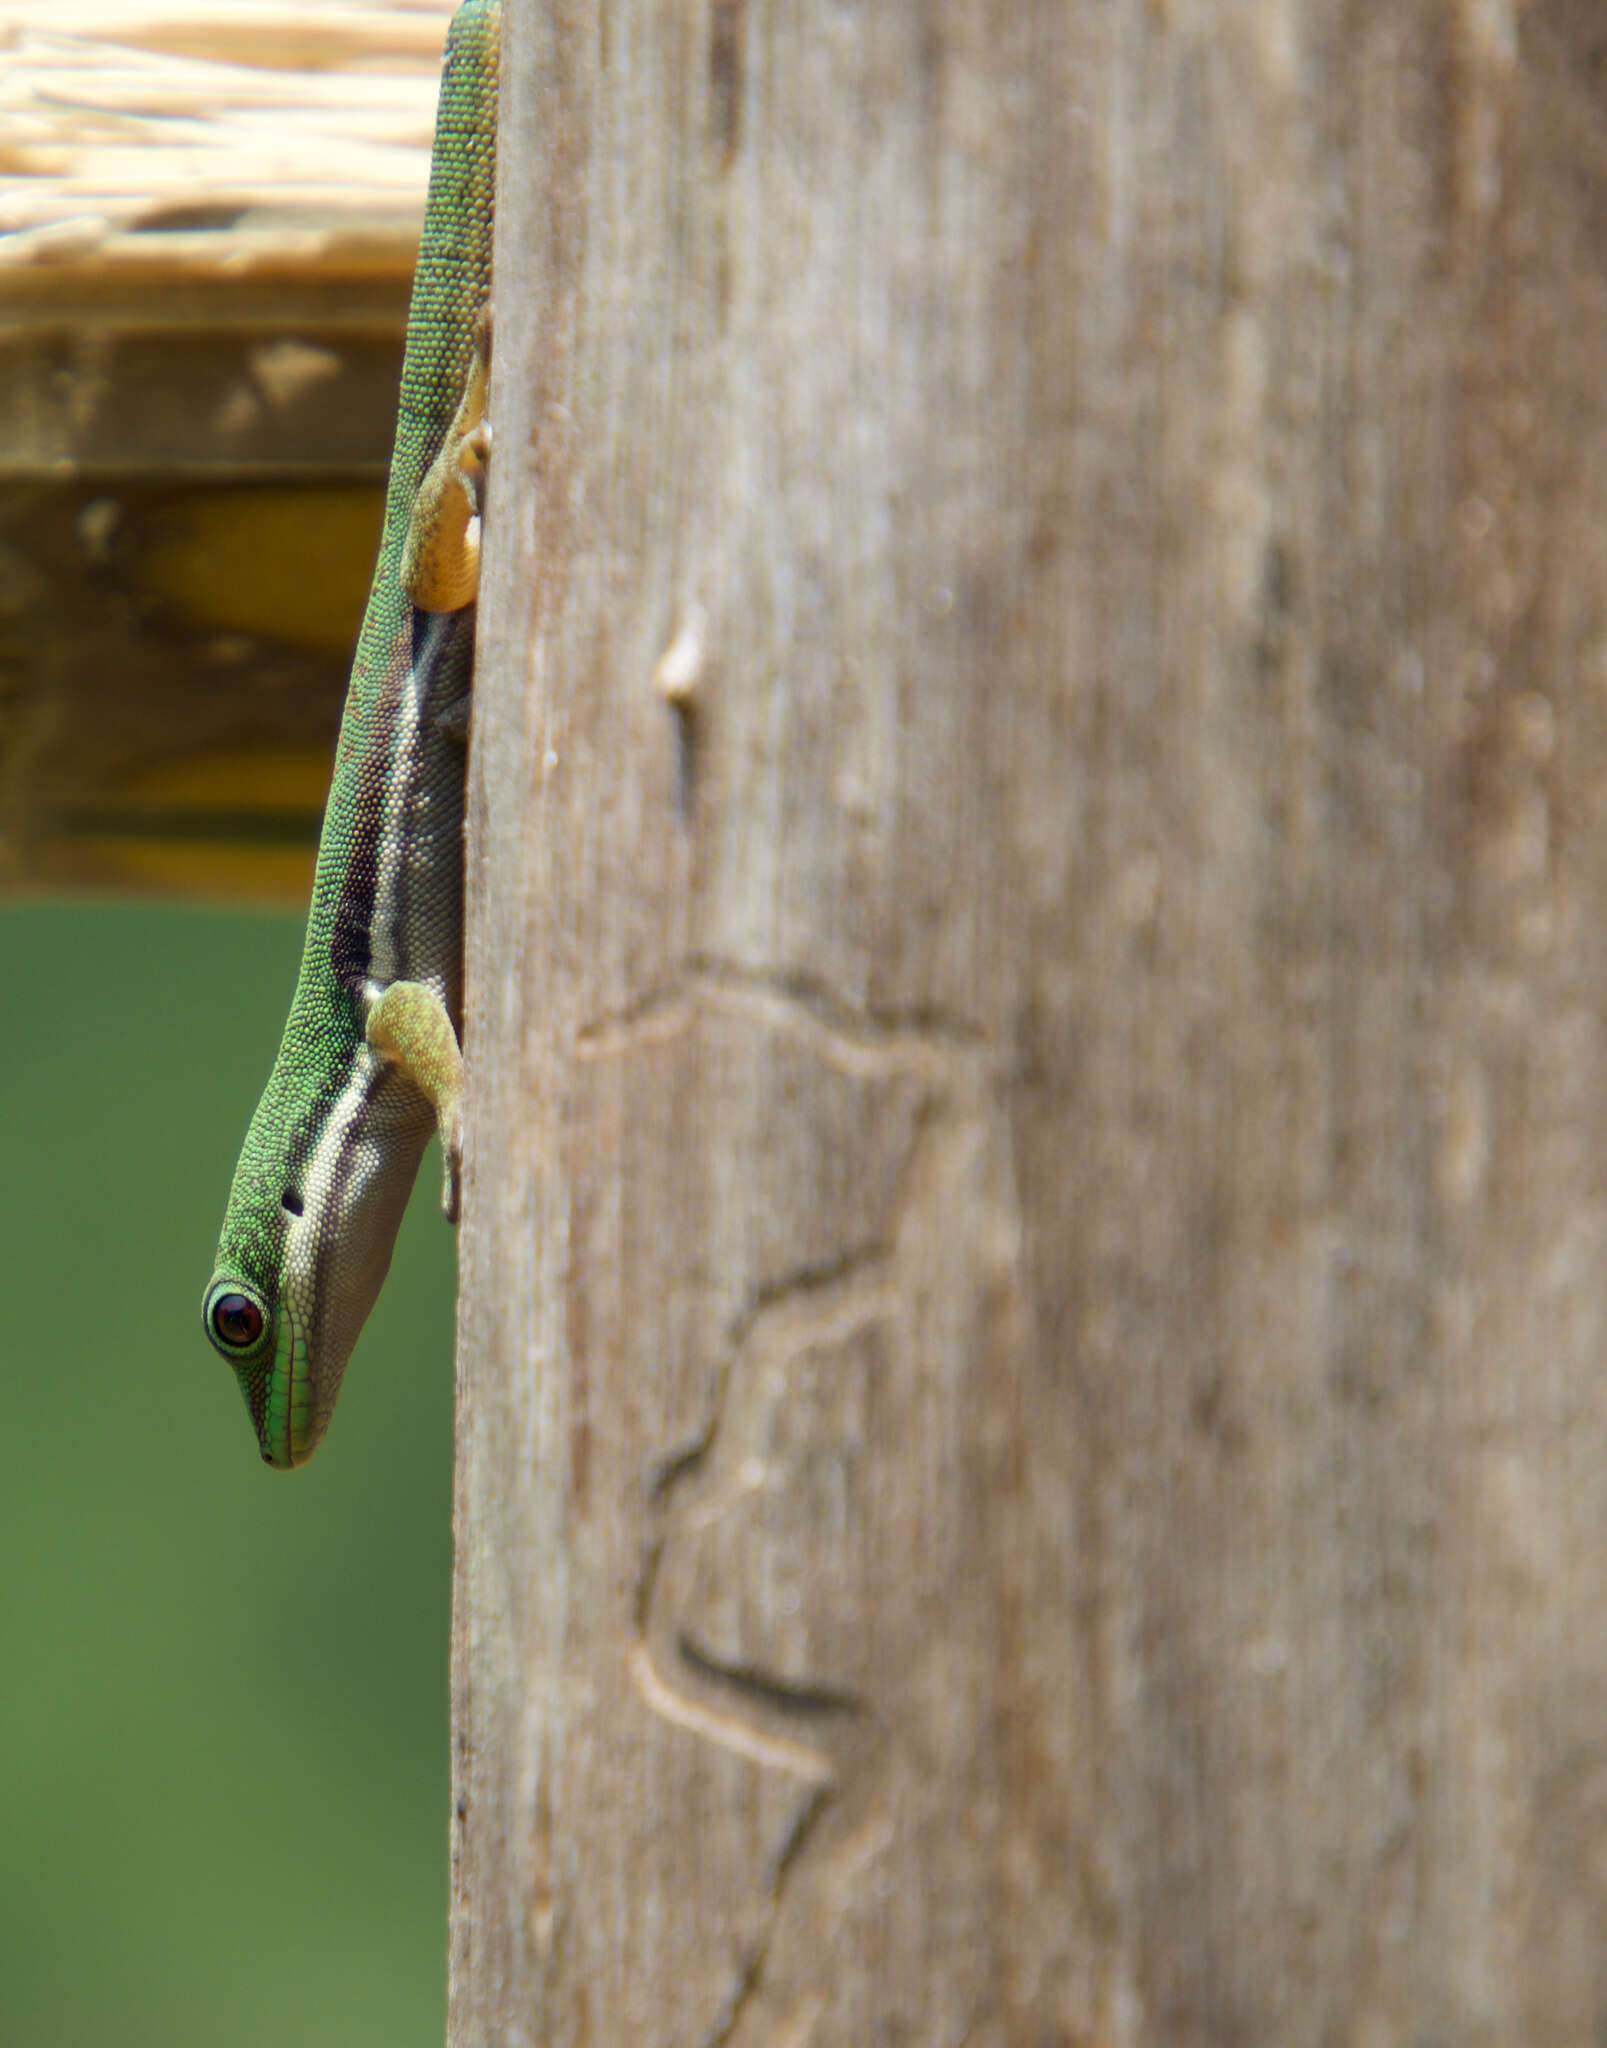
<point x="223" y="1711"/>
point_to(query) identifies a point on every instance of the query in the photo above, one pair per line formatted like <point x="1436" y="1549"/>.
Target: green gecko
<point x="370" y="1062"/>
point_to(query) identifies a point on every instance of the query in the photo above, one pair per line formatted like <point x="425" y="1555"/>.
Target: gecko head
<point x="260" y="1340"/>
<point x="286" y="1305"/>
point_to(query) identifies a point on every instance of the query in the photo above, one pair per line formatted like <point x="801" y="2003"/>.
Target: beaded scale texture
<point x="334" y="1146"/>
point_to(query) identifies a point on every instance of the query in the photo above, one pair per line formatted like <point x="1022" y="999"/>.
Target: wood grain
<point x="1032" y="1464"/>
<point x="209" y="215"/>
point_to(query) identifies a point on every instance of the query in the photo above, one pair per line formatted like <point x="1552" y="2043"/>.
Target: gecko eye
<point x="236" y="1321"/>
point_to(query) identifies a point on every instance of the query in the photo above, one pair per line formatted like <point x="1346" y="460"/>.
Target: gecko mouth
<point x="282" y="1443"/>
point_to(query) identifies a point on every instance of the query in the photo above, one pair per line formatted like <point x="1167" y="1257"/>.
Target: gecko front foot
<point x="440" y="569"/>
<point x="409" y="1027"/>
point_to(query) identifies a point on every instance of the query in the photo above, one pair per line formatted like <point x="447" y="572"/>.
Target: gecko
<point x="370" y="1063"/>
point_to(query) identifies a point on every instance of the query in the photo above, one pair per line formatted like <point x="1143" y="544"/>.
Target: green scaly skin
<point x="369" y="1065"/>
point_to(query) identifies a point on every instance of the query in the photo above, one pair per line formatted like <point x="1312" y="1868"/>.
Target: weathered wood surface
<point x="174" y="138"/>
<point x="209" y="215"/>
<point x="1033" y="1451"/>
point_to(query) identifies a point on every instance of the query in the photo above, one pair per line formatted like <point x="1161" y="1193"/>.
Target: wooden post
<point x="1035" y="1269"/>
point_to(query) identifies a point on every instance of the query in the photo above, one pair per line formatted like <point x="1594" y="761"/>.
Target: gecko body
<point x="369" y="1064"/>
